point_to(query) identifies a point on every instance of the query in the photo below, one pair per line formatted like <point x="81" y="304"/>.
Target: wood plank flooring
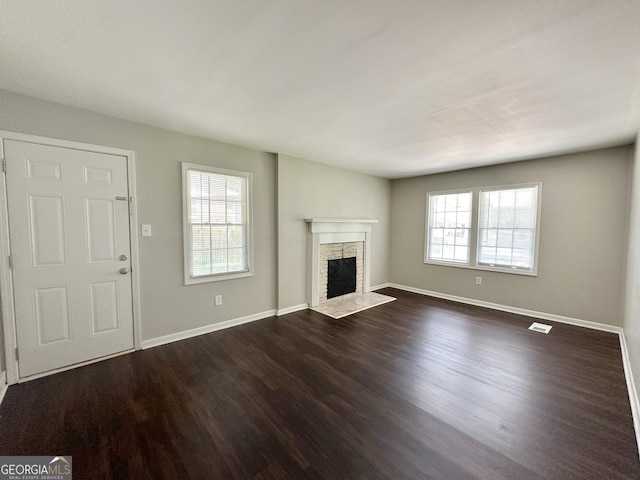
<point x="418" y="388"/>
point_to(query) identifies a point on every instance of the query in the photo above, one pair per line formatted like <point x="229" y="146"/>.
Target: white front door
<point x="70" y="247"/>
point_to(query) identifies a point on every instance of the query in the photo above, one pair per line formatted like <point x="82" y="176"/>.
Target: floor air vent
<point x="540" y="327"/>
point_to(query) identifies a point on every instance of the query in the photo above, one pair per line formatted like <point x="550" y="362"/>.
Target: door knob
<point x="124" y="270"/>
<point x="122" y="258"/>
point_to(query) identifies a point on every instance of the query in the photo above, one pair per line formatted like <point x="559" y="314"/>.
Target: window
<point x="500" y="234"/>
<point x="449" y="227"/>
<point x="217" y="227"/>
<point x="507" y="228"/>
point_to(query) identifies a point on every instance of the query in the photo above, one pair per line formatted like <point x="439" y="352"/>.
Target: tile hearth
<point x="351" y="303"/>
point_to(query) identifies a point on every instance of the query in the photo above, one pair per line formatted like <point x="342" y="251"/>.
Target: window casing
<point x="216" y="223"/>
<point x="503" y="230"/>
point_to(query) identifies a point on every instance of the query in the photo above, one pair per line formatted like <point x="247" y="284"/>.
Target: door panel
<point x="104" y="307"/>
<point x="69" y="226"/>
<point x="47" y="231"/>
<point x="52" y="315"/>
<point x="101" y="238"/>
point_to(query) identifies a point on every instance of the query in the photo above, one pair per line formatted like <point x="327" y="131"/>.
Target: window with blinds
<point x="216" y="223"/>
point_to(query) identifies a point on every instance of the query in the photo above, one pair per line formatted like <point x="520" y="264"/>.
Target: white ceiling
<point x="389" y="87"/>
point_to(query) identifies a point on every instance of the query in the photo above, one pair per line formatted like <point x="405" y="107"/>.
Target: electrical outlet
<point x="218" y="300"/>
<point x="478" y="280"/>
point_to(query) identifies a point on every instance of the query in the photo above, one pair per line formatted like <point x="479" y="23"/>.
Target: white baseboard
<point x="3" y="385"/>
<point x="295" y="308"/>
<point x="517" y="310"/>
<point x="378" y="287"/>
<point x="631" y="388"/>
<point x="214" y="327"/>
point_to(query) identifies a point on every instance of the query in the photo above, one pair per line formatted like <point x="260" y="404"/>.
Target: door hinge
<point x="10" y="262"/>
<point x="4" y="165"/>
<point x="17" y="356"/>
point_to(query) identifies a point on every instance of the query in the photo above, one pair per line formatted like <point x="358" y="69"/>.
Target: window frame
<point x="474" y="234"/>
<point x="189" y="279"/>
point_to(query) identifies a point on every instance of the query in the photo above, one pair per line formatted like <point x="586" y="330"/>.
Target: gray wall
<point x="167" y="305"/>
<point x="308" y="189"/>
<point x="582" y="242"/>
<point x="631" y="323"/>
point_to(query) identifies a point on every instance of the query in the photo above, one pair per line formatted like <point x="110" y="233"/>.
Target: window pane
<point x="218" y="237"/>
<point x="503" y="256"/>
<point x="219" y="261"/>
<point x="525" y="198"/>
<point x="199" y="184"/>
<point x="523" y="239"/>
<point x="236" y="236"/>
<point x="217" y="211"/>
<point x="201" y="263"/>
<point x="489" y="237"/>
<point x="448" y="252"/>
<point x="464" y="202"/>
<point x="200" y="237"/>
<point x="525" y="218"/>
<point x="461" y="254"/>
<point x="199" y="211"/>
<point x="435" y="252"/>
<point x="505" y="217"/>
<point x="507" y="198"/>
<point x="234" y="189"/>
<point x="236" y="259"/>
<point x="451" y="203"/>
<point x="462" y="237"/>
<point x="217" y="187"/>
<point x="449" y="236"/>
<point x="463" y="220"/>
<point x="450" y="219"/>
<point x="487" y="255"/>
<point x="521" y="258"/>
<point x="505" y="238"/>
<point x="437" y="236"/>
<point x="235" y="213"/>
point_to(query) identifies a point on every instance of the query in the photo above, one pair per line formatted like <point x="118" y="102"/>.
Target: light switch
<point x="146" y="230"/>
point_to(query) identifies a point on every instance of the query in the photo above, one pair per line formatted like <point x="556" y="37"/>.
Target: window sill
<point x="467" y="266"/>
<point x="217" y="278"/>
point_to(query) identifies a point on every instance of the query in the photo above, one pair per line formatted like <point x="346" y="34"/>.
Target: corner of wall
<point x="630" y="338"/>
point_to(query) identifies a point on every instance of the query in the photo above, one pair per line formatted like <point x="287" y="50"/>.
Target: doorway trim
<point x="6" y="280"/>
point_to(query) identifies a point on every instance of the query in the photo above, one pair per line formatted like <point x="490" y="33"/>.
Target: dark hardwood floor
<point x="418" y="388"/>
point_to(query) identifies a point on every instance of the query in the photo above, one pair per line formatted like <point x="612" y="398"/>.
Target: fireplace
<point x="346" y="242"/>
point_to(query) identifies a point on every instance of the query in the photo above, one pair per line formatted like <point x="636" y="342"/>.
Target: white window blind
<point x="216" y="223"/>
<point x="507" y="227"/>
<point x="449" y="227"/>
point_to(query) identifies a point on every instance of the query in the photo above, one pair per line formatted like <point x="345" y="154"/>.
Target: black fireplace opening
<point x="341" y="278"/>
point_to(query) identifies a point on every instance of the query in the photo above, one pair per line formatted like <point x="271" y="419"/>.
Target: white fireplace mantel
<point x="335" y="230"/>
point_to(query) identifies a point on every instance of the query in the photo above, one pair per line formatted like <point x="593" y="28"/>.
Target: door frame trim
<point x="7" y="308"/>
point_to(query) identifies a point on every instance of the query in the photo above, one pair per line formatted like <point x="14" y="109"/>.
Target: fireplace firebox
<point x="342" y="275"/>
